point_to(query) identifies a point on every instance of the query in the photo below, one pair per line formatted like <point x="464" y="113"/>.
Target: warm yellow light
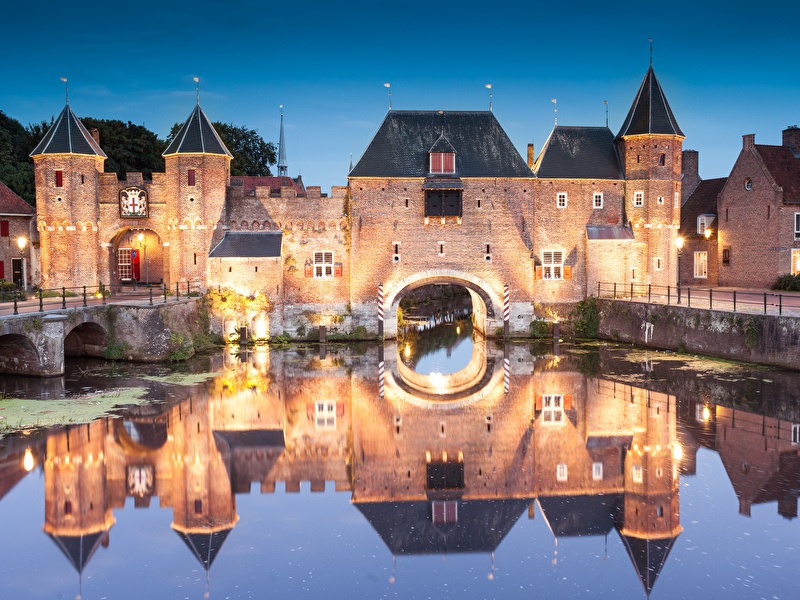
<point x="677" y="452"/>
<point x="21" y="242"/>
<point x="706" y="413"/>
<point x="28" y="462"/>
<point x="458" y="329"/>
<point x="407" y="350"/>
<point x="140" y="237"/>
<point x="679" y="243"/>
<point x="707" y="233"/>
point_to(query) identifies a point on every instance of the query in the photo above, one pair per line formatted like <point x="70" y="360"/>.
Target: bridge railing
<point x="14" y="300"/>
<point x="746" y="301"/>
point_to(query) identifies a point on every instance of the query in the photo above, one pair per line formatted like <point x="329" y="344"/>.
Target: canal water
<point x="514" y="471"/>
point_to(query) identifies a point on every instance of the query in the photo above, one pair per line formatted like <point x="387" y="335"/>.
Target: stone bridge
<point x="37" y="343"/>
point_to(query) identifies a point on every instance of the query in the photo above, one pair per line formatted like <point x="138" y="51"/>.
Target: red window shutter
<point x="337" y="270"/>
<point x="567" y="402"/>
<point x="191" y="175"/>
<point x="309" y="270"/>
<point x="436" y="162"/>
<point x="59" y="178"/>
<point x="3" y="228"/>
<point x="448" y="163"/>
<point x="310" y="410"/>
<point x="539" y="272"/>
<point x="539" y="402"/>
<point x="340" y="409"/>
<point x="567" y="272"/>
<point x="2" y="270"/>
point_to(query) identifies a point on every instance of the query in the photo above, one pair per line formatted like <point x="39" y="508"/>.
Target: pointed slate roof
<point x="402" y="143"/>
<point x="442" y="145"/>
<point x="79" y="548"/>
<point x="283" y="169"/>
<point x="11" y="204"/>
<point x="648" y="557"/>
<point x="68" y="136"/>
<point x="197" y="136"/>
<point x="579" y="153"/>
<point x="650" y="112"/>
<point x="205" y="546"/>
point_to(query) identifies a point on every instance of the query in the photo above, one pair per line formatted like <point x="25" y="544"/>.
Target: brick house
<point x="700" y="266"/>
<point x="16" y="217"/>
<point x="759" y="214"/>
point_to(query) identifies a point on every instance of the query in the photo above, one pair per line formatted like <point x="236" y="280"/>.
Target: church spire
<point x="283" y="169"/>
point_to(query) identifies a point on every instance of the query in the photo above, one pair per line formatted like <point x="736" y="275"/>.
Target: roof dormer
<point x="442" y="157"/>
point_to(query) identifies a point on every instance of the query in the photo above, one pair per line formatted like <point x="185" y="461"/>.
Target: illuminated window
<point x="561" y="472"/>
<point x="325" y="414"/>
<point x="552" y="264"/>
<point x="597" y="471"/>
<point x="703" y="223"/>
<point x="124" y="264"/>
<point x="637" y="473"/>
<point x="561" y="200"/>
<point x="701" y="265"/>
<point x="323" y="265"/>
<point x="443" y="162"/>
<point x="638" y="198"/>
<point x="553" y="409"/>
<point x="597" y="200"/>
<point x="726" y="255"/>
<point x="795" y="262"/>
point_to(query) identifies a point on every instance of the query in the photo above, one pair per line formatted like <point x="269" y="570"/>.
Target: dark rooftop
<point x="248" y="244"/>
<point x="68" y="136"/>
<point x="197" y="136"/>
<point x="784" y="168"/>
<point x="579" y="153"/>
<point x="401" y="146"/>
<point x="11" y="204"/>
<point x="703" y="201"/>
<point x="650" y="112"/>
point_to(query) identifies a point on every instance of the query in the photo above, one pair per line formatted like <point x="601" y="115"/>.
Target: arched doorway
<point x="136" y="257"/>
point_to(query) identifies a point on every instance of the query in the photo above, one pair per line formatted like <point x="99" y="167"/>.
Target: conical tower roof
<point x="68" y="136"/>
<point x="205" y="546"/>
<point x="650" y="112"/>
<point x="648" y="557"/>
<point x="79" y="548"/>
<point x="197" y="136"/>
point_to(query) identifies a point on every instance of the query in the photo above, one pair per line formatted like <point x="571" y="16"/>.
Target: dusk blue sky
<point x="727" y="68"/>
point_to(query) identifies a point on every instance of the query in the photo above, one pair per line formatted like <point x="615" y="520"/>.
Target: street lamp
<point x="679" y="246"/>
<point x="22" y="241"/>
<point x="143" y="244"/>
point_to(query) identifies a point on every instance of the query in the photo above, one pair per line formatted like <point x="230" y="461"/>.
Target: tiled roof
<point x="400" y="147"/>
<point x="68" y="136"/>
<point x="250" y="182"/>
<point x="11" y="204"/>
<point x="703" y="201"/>
<point x="650" y="112"/>
<point x="784" y="168"/>
<point x="579" y="153"/>
<point x="197" y="136"/>
<point x="248" y="244"/>
<point x="581" y="515"/>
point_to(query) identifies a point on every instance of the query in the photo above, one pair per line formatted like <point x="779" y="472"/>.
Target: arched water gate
<point x="487" y="302"/>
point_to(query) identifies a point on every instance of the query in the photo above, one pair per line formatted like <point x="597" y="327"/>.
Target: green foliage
<point x="787" y="283"/>
<point x="130" y="148"/>
<point x="116" y="351"/>
<point x="750" y="330"/>
<point x="586" y="317"/>
<point x="540" y="329"/>
<point x="180" y="347"/>
<point x="251" y="154"/>
<point x="279" y="340"/>
<point x="16" y="167"/>
<point x="301" y="331"/>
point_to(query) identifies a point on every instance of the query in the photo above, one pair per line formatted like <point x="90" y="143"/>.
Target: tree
<point x="251" y="154"/>
<point x="130" y="148"/>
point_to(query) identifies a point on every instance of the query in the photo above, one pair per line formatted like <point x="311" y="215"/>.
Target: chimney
<point x="748" y="141"/>
<point x="530" y="156"/>
<point x="691" y="163"/>
<point x="96" y="135"/>
<point x="791" y="139"/>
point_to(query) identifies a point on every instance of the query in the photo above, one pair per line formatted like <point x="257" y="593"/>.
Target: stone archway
<point x="137" y="256"/>
<point x="486" y="302"/>
<point x="87" y="339"/>
<point x="18" y="355"/>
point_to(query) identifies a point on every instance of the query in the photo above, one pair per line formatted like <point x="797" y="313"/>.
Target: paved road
<point x="31" y="305"/>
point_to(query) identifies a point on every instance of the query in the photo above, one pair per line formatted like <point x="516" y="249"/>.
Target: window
<point x="323" y="264"/>
<point x="797" y="225"/>
<point x="444" y="511"/>
<point x="662" y="159"/>
<point x="677" y="200"/>
<point x="190" y="177"/>
<point x="124" y="264"/>
<point x="701" y="265"/>
<point x="748" y="184"/>
<point x="553" y="409"/>
<point x="561" y="200"/>
<point x="325" y="414"/>
<point x="4" y="228"/>
<point x="561" y="472"/>
<point x="443" y="203"/>
<point x="597" y="471"/>
<point x="795" y="262"/>
<point x="637" y="474"/>
<point x="552" y="265"/>
<point x="796" y="434"/>
<point x="703" y="221"/>
<point x="638" y="198"/>
<point x="443" y="162"/>
<point x="661" y="199"/>
<point x="597" y="201"/>
<point x="59" y="178"/>
<point x="658" y="263"/>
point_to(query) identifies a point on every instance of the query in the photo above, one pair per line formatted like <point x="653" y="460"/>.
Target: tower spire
<point x="66" y="88"/>
<point x="283" y="169"/>
<point x="197" y="89"/>
<point x="651" y="50"/>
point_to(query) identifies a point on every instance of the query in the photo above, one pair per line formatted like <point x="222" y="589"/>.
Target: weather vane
<point x="197" y="88"/>
<point x="388" y="86"/>
<point x="489" y="87"/>
<point x="66" y="88"/>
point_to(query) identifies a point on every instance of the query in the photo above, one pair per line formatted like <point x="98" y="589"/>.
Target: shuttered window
<point x="323" y="264"/>
<point x="443" y="162"/>
<point x="443" y="203"/>
<point x="553" y="264"/>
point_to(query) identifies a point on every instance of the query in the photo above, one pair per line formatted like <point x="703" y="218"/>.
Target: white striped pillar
<point x="381" y="372"/>
<point x="506" y="309"/>
<point x="380" y="311"/>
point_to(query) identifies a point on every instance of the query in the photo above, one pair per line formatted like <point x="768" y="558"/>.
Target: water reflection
<point x="595" y="454"/>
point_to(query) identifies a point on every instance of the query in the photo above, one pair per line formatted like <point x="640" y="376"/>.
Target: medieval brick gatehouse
<point x="437" y="197"/>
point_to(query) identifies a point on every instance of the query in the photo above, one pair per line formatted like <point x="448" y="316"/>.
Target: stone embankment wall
<point x="763" y="339"/>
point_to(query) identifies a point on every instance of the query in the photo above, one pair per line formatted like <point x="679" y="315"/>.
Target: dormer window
<point x="443" y="162"/>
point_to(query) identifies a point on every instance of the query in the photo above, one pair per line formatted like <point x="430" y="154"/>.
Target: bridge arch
<point x="18" y="355"/>
<point x="86" y="339"/>
<point x="487" y="302"/>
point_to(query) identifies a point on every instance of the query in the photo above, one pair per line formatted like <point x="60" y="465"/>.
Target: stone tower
<point x="650" y="144"/>
<point x="197" y="177"/>
<point x="67" y="164"/>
